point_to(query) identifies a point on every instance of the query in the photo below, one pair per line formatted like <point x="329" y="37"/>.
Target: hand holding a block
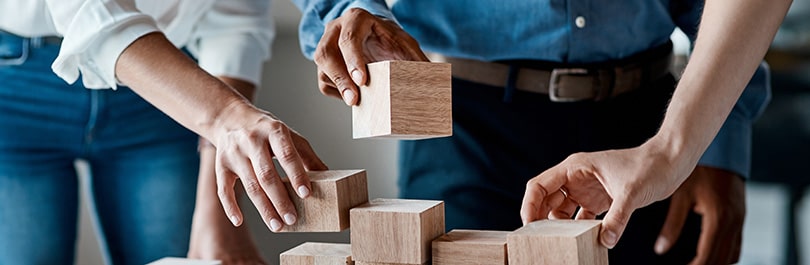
<point x="616" y="181"/>
<point x="354" y="40"/>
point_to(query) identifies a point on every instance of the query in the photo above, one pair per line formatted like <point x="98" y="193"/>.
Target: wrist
<point x="680" y="154"/>
<point x="231" y="117"/>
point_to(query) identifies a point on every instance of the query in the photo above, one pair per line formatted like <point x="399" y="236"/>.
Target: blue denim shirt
<point x="581" y="31"/>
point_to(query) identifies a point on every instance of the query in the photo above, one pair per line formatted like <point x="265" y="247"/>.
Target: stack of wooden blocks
<point x="412" y="100"/>
<point x="403" y="232"/>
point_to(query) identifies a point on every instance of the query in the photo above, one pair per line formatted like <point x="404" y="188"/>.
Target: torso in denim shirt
<point x="541" y="29"/>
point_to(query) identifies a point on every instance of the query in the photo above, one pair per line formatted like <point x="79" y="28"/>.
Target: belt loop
<point x="36" y="42"/>
<point x="511" y="81"/>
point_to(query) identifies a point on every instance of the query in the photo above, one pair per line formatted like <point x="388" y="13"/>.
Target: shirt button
<point x="580" y="22"/>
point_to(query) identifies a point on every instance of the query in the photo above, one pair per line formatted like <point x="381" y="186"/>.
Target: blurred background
<point x="776" y="227"/>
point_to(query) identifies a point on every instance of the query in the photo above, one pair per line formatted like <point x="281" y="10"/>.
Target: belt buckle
<point x="553" y="89"/>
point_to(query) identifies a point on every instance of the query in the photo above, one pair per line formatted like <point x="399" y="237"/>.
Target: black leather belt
<point x="569" y="84"/>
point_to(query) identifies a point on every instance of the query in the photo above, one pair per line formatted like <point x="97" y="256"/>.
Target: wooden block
<point x="557" y="242"/>
<point x="310" y="253"/>
<point x="395" y="230"/>
<point x="468" y="247"/>
<point x="333" y="194"/>
<point x="183" y="261"/>
<point x="378" y="263"/>
<point x="405" y="100"/>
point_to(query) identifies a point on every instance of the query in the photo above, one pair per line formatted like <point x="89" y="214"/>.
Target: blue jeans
<point x="143" y="165"/>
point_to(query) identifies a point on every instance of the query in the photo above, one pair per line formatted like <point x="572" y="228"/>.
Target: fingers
<point x="679" y="209"/>
<point x="329" y="59"/>
<point x="284" y="148"/>
<point x="257" y="194"/>
<point x="535" y="205"/>
<point x="615" y="222"/>
<point x="352" y="39"/>
<point x="326" y="86"/>
<point x="708" y="251"/>
<point x="227" y="195"/>
<point x="566" y="209"/>
<point x="586" y="214"/>
<point x="736" y="245"/>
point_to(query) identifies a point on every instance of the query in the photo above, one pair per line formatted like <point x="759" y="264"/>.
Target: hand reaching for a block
<point x="354" y="40"/>
<point x="616" y="181"/>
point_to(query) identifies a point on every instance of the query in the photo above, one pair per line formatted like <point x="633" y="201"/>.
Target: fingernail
<point x="609" y="239"/>
<point x="660" y="245"/>
<point x="289" y="219"/>
<point x="357" y="76"/>
<point x="303" y="191"/>
<point x="348" y="96"/>
<point x="234" y="220"/>
<point x="275" y="225"/>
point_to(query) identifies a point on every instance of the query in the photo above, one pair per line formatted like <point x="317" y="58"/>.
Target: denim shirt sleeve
<point x="731" y="148"/>
<point x="317" y="13"/>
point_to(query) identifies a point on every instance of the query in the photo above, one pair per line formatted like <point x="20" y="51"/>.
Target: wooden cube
<point x="396" y="230"/>
<point x="469" y="247"/>
<point x="310" y="253"/>
<point x="405" y="100"/>
<point x="378" y="263"/>
<point x="557" y="242"/>
<point x="333" y="194"/>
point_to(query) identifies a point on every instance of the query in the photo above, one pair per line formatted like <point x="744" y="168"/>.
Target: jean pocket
<point x="13" y="49"/>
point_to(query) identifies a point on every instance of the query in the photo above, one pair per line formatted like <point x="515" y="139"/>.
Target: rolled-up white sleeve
<point x="95" y="33"/>
<point x="233" y="39"/>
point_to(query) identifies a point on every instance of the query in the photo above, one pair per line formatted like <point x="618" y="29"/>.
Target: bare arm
<point x="242" y="133"/>
<point x="733" y="38"/>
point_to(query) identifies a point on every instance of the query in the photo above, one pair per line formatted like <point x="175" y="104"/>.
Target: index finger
<point x="536" y="201"/>
<point x="329" y="58"/>
<point x="284" y="148"/>
<point x="352" y="37"/>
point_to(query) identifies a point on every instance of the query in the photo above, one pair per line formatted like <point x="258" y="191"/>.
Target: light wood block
<point x="311" y="253"/>
<point x="396" y="230"/>
<point x="378" y="263"/>
<point x="562" y="242"/>
<point x="405" y="100"/>
<point x="470" y="247"/>
<point x="333" y="194"/>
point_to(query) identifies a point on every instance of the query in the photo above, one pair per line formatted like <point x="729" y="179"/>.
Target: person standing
<point x="536" y="81"/>
<point x="144" y="165"/>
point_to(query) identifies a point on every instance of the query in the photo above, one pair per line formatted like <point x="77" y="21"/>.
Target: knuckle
<point x="265" y="171"/>
<point x="341" y="82"/>
<point x="278" y="127"/>
<point x="324" y="52"/>
<point x="355" y="13"/>
<point x="252" y="187"/>
<point x="271" y="181"/>
<point x="287" y="154"/>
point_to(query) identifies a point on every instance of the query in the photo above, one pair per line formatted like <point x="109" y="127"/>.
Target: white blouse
<point x="228" y="37"/>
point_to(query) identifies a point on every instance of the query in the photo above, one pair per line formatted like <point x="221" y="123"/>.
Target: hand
<point x="718" y="196"/>
<point x="617" y="181"/>
<point x="354" y="40"/>
<point x="214" y="238"/>
<point x="245" y="148"/>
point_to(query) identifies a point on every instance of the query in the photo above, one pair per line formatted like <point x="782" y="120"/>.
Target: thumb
<point x="615" y="222"/>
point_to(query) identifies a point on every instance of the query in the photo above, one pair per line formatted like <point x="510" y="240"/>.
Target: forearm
<point x="733" y="38"/>
<point x="152" y="67"/>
